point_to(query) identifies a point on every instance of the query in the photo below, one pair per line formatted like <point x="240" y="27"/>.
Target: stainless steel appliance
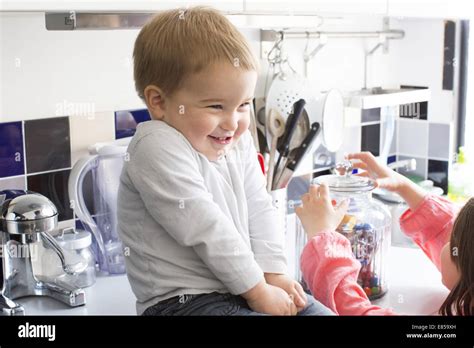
<point x="25" y="222"/>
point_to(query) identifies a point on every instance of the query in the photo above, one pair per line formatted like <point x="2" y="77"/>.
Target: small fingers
<point x="363" y="174"/>
<point x="365" y="157"/>
<point x="314" y="190"/>
<point x="301" y="294"/>
<point x="305" y="198"/>
<point x="297" y="299"/>
<point x="324" y="191"/>
<point x="293" y="309"/>
<point x="290" y="305"/>
<point x="359" y="164"/>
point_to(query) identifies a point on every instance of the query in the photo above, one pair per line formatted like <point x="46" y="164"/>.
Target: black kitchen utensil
<point x="283" y="144"/>
<point x="296" y="155"/>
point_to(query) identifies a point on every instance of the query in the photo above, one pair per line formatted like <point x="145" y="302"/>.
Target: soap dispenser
<point x="459" y="182"/>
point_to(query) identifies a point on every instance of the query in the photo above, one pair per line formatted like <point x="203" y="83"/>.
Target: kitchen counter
<point x="414" y="288"/>
<point x="108" y="296"/>
<point x="414" y="283"/>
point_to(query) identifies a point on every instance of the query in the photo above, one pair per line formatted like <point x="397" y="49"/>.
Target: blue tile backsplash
<point x="126" y="122"/>
<point x="11" y="149"/>
<point x="48" y="145"/>
<point x="53" y="185"/>
<point x="391" y="159"/>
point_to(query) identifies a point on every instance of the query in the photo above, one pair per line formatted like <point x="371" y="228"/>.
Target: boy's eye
<point x="215" y="106"/>
<point x="220" y="107"/>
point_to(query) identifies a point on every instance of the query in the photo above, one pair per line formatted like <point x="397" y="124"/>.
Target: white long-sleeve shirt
<point x="190" y="225"/>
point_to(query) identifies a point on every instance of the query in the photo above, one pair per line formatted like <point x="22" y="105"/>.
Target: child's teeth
<point x="220" y="138"/>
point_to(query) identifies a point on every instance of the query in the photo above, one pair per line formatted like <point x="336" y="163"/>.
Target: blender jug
<point x="105" y="163"/>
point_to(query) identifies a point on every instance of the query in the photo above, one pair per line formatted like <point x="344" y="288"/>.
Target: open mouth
<point x="221" y="140"/>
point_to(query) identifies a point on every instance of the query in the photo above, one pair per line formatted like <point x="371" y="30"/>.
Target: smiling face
<point x="211" y="109"/>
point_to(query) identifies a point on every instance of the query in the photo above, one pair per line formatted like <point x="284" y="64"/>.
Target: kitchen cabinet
<point x="113" y="5"/>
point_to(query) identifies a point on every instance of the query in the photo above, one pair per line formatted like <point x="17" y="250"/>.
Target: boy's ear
<point x="155" y="101"/>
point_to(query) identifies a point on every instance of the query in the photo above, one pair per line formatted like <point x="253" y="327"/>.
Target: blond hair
<point x="180" y="42"/>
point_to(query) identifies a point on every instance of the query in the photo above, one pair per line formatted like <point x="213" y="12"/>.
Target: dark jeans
<point x="220" y="304"/>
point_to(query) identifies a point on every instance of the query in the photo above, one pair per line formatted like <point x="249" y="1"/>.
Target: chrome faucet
<point x="24" y="221"/>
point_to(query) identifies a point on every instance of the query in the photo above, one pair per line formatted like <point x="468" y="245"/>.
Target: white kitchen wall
<point x="43" y="72"/>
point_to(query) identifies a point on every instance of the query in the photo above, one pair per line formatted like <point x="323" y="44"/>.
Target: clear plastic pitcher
<point x="105" y="164"/>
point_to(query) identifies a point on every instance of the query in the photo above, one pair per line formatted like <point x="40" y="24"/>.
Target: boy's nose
<point x="230" y="123"/>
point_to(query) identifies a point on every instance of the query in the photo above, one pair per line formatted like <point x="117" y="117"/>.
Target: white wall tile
<point x="86" y="131"/>
<point x="413" y="138"/>
<point x="439" y="141"/>
<point x="441" y="106"/>
<point x="14" y="183"/>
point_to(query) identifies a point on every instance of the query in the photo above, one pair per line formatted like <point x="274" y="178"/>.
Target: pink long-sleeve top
<point x="331" y="271"/>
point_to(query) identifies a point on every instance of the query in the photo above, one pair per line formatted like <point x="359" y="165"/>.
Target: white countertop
<point x="414" y="288"/>
<point x="110" y="295"/>
<point x="414" y="283"/>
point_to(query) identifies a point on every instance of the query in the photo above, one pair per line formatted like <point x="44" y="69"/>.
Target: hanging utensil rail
<point x="274" y="34"/>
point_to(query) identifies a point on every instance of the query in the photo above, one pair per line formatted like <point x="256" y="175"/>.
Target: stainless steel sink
<point x="379" y="97"/>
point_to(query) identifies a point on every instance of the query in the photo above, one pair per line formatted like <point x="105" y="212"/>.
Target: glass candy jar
<point x="367" y="225"/>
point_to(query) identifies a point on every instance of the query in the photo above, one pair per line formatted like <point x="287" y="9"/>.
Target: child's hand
<point x="384" y="176"/>
<point x="269" y="299"/>
<point x="292" y="287"/>
<point x="317" y="213"/>
<point x="388" y="179"/>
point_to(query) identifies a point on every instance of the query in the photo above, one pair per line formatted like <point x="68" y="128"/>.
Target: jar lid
<point x="74" y="240"/>
<point x="346" y="183"/>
